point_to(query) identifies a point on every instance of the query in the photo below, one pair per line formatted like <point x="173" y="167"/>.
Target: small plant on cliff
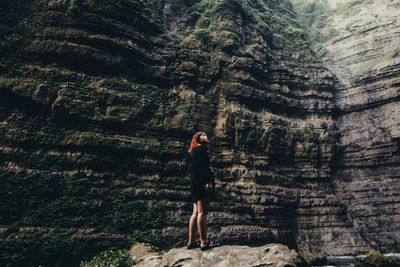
<point x="74" y="7"/>
<point x="395" y="53"/>
<point x="110" y="257"/>
<point x="223" y="195"/>
<point x="13" y="37"/>
<point x="77" y="6"/>
<point x="203" y="35"/>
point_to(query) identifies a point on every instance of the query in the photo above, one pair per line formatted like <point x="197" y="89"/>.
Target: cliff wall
<point x="99" y="100"/>
<point x="359" y="43"/>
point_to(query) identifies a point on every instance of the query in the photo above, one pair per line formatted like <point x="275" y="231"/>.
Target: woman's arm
<point x="201" y="166"/>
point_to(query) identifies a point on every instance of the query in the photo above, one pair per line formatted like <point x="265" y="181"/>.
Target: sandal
<point x="209" y="245"/>
<point x="192" y="245"/>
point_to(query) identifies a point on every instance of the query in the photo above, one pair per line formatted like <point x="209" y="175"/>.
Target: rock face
<point x="99" y="101"/>
<point x="363" y="53"/>
<point x="275" y="255"/>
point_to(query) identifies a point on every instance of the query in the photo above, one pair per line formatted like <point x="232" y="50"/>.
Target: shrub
<point x="203" y="35"/>
<point x="34" y="247"/>
<point x="74" y="7"/>
<point x="375" y="258"/>
<point x="110" y="258"/>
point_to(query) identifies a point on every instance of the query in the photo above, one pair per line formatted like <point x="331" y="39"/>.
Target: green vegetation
<point x="203" y="35"/>
<point x="369" y="64"/>
<point x="314" y="15"/>
<point x="227" y="40"/>
<point x="53" y="195"/>
<point x="266" y="136"/>
<point x="395" y="53"/>
<point x="117" y="84"/>
<point x="7" y="82"/>
<point x="36" y="246"/>
<point x="57" y="201"/>
<point x="224" y="198"/>
<point x="375" y="258"/>
<point x="56" y="195"/>
<point x="112" y="257"/>
<point x="76" y="7"/>
<point x="12" y="37"/>
<point x="37" y="132"/>
<point x="349" y="5"/>
<point x="190" y="2"/>
<point x="208" y="10"/>
<point x="173" y="70"/>
<point x="277" y="23"/>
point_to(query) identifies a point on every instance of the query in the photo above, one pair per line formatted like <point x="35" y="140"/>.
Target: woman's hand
<point x="209" y="187"/>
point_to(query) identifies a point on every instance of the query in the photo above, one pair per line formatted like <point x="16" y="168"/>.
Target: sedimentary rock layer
<point x="99" y="103"/>
<point x="363" y="54"/>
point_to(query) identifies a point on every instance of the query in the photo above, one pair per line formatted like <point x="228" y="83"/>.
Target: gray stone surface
<point x="274" y="255"/>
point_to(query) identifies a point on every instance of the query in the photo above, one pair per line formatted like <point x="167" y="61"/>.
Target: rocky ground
<point x="275" y="255"/>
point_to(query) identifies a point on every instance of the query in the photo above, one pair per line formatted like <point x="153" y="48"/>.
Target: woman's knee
<point x="195" y="210"/>
<point x="202" y="205"/>
<point x="201" y="215"/>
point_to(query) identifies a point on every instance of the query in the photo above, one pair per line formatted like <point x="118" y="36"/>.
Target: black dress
<point x="201" y="174"/>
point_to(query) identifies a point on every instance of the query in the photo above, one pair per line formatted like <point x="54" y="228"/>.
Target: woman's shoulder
<point x="198" y="149"/>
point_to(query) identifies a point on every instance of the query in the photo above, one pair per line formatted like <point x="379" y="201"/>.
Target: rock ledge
<point x="274" y="255"/>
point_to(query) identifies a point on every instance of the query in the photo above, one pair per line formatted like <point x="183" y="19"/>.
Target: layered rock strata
<point x="99" y="103"/>
<point x="363" y="54"/>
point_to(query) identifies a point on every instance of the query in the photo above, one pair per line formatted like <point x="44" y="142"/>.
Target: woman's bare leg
<point x="202" y="206"/>
<point x="192" y="225"/>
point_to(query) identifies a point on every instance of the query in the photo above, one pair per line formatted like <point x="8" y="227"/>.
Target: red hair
<point x="195" y="142"/>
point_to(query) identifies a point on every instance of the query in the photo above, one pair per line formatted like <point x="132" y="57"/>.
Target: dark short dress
<point x="201" y="174"/>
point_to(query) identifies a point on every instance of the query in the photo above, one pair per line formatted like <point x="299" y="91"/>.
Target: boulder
<point x="274" y="255"/>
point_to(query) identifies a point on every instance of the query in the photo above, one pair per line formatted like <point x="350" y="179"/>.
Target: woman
<point x="202" y="189"/>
